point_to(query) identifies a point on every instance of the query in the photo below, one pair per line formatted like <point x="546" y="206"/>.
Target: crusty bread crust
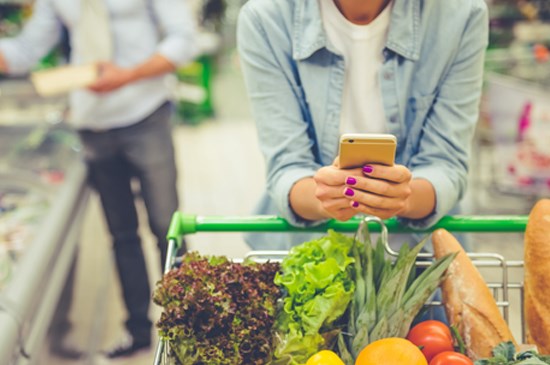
<point x="469" y="304"/>
<point x="537" y="276"/>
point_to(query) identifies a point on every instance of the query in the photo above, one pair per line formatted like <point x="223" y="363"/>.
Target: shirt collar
<point x="403" y="38"/>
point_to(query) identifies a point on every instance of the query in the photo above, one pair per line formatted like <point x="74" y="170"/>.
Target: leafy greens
<point x="317" y="280"/>
<point x="505" y="353"/>
<point x="217" y="312"/>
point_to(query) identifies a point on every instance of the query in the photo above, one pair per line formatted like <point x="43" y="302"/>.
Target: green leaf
<point x="324" y="309"/>
<point x="506" y="350"/>
<point x="321" y="275"/>
<point x="426" y="283"/>
<point x="297" y="348"/>
<point x="532" y="361"/>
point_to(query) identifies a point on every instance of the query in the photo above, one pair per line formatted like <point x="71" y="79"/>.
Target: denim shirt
<point x="430" y="79"/>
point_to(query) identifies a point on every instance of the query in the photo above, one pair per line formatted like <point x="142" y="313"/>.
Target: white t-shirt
<point x="362" y="48"/>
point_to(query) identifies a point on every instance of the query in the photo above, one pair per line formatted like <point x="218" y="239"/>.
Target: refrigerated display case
<point x="43" y="194"/>
<point x="517" y="125"/>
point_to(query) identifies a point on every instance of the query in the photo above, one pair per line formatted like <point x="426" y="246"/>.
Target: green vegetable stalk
<point x="387" y="297"/>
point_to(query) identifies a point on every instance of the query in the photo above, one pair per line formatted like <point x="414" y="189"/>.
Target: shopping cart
<point x="502" y="286"/>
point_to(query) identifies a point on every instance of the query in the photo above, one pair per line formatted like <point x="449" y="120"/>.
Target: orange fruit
<point x="391" y="351"/>
<point x="325" y="357"/>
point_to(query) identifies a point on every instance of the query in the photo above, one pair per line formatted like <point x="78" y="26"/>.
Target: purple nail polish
<point x="355" y="204"/>
<point x="349" y="192"/>
<point x="351" y="181"/>
<point x="367" y="169"/>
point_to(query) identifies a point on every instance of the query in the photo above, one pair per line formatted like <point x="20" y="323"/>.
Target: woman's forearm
<point x="303" y="201"/>
<point x="422" y="200"/>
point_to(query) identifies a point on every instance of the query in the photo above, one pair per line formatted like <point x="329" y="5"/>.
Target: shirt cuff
<point x="446" y="196"/>
<point x="280" y="194"/>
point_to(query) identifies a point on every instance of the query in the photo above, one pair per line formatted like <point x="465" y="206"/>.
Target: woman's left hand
<point x="382" y="191"/>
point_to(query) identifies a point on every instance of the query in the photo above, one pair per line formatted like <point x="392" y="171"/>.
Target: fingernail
<point x="349" y="192"/>
<point x="355" y="204"/>
<point x="367" y="169"/>
<point x="351" y="181"/>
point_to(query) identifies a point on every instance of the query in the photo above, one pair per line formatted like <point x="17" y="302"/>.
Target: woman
<point x="315" y="69"/>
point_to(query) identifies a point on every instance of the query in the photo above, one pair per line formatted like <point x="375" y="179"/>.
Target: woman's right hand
<point x="330" y="182"/>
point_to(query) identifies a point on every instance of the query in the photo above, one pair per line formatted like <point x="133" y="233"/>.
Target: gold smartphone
<point x="357" y="149"/>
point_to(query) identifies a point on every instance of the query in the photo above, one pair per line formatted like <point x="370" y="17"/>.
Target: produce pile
<point x="330" y="293"/>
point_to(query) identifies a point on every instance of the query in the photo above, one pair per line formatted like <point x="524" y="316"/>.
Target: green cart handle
<point x="183" y="224"/>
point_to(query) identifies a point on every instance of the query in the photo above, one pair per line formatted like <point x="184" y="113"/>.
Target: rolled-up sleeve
<point x="282" y="131"/>
<point x="444" y="150"/>
<point x="177" y="23"/>
<point x="39" y="35"/>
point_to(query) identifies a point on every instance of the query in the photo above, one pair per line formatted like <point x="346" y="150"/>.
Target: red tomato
<point x="433" y="337"/>
<point x="430" y="326"/>
<point x="451" y="358"/>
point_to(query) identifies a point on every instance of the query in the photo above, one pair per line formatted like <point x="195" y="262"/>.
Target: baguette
<point x="537" y="277"/>
<point x="469" y="304"/>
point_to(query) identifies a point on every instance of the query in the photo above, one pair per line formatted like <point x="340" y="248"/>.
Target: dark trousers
<point x="144" y="151"/>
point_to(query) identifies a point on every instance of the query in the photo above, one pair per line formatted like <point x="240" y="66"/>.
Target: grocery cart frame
<point x="185" y="224"/>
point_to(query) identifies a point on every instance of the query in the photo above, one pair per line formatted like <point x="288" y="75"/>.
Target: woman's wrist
<point x="421" y="203"/>
<point x="303" y="201"/>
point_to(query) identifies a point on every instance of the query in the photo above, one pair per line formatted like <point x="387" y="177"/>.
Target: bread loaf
<point x="537" y="277"/>
<point x="469" y="304"/>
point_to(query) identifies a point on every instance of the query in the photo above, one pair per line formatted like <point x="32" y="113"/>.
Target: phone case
<point x="357" y="150"/>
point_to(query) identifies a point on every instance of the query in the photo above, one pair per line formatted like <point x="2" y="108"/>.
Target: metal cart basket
<point x="502" y="286"/>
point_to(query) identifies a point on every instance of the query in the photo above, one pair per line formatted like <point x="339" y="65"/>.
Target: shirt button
<point x="388" y="75"/>
<point x="393" y="119"/>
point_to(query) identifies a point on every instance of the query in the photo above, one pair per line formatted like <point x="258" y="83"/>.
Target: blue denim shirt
<point x="431" y="81"/>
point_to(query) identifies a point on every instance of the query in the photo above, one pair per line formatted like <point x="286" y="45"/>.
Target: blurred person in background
<point x="123" y="119"/>
<point x="317" y="69"/>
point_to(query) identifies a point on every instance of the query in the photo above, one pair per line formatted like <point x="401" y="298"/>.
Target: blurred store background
<point x="48" y="215"/>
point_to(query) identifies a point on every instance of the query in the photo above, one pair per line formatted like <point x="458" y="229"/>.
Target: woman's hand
<point x="382" y="191"/>
<point x="330" y="181"/>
